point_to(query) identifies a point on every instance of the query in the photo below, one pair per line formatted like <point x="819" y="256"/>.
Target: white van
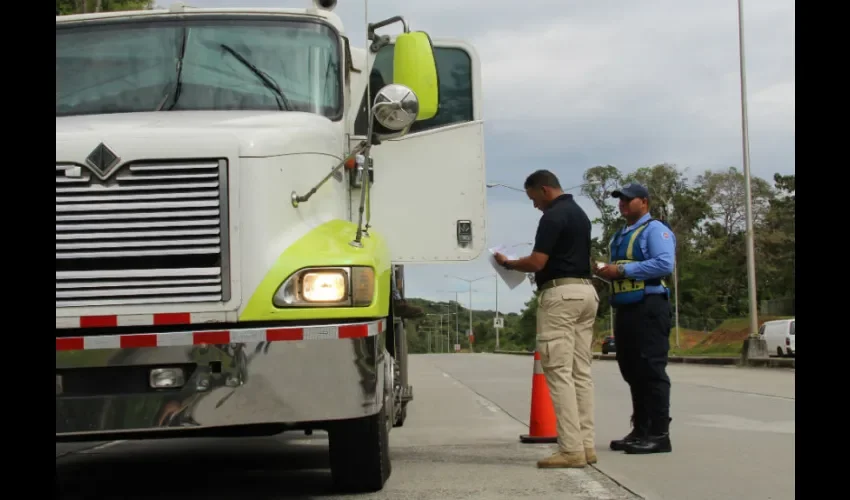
<point x="779" y="335"/>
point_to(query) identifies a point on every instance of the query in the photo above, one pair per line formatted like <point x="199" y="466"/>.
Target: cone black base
<point x="525" y="438"/>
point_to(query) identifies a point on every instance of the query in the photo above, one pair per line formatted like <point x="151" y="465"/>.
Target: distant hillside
<point x="423" y="321"/>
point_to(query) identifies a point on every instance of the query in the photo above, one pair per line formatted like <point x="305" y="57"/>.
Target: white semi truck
<point x="237" y="191"/>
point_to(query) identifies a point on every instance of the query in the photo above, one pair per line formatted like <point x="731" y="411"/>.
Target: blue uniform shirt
<point x="657" y="242"/>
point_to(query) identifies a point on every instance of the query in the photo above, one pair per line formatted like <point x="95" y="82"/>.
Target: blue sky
<point x="571" y="85"/>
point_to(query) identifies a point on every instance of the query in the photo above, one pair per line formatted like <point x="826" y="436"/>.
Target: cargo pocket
<point x="553" y="353"/>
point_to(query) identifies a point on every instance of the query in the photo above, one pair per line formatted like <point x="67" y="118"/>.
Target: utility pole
<point x="470" y="282"/>
<point x="753" y="345"/>
<point x="495" y="325"/>
<point x="431" y="331"/>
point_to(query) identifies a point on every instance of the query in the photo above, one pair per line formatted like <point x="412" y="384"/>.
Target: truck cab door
<point x="428" y="192"/>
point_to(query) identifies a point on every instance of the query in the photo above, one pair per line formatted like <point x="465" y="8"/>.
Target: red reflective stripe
<point x="98" y="321"/>
<point x="213" y="337"/>
<point x="70" y="344"/>
<point x="279" y="334"/>
<point x="222" y="337"/>
<point x="133" y="341"/>
<point x="172" y="319"/>
<point x="353" y="331"/>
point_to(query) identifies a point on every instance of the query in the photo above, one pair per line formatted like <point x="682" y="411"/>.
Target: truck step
<point x="407" y="394"/>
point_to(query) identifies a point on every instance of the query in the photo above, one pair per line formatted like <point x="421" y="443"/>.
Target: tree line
<point x="66" y="7"/>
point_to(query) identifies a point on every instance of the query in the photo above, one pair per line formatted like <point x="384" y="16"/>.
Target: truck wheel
<point x="360" y="453"/>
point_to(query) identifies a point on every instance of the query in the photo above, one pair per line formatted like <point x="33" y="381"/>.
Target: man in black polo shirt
<point x="566" y="312"/>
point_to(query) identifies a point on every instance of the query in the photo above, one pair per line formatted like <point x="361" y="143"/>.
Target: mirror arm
<point x="365" y="185"/>
<point x="296" y="199"/>
<point x="378" y="41"/>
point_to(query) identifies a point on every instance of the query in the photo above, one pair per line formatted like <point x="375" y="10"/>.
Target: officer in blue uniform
<point x="642" y="255"/>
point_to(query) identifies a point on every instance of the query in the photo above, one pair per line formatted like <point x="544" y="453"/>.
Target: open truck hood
<point x="254" y="133"/>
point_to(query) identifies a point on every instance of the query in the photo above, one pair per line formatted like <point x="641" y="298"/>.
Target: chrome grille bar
<point x="152" y="233"/>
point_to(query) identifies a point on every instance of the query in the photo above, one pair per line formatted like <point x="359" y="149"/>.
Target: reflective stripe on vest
<point x="629" y="290"/>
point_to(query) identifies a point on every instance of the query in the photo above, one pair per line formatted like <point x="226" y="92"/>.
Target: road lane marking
<point x="103" y="446"/>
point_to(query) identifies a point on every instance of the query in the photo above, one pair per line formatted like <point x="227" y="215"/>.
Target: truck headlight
<point x="327" y="287"/>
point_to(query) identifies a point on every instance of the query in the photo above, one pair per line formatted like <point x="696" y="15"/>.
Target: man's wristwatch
<point x="621" y="269"/>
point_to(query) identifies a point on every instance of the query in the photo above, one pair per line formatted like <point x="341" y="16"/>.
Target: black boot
<point x="650" y="444"/>
<point x="658" y="441"/>
<point x="639" y="430"/>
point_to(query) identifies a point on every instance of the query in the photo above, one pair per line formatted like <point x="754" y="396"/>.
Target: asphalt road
<point x="733" y="433"/>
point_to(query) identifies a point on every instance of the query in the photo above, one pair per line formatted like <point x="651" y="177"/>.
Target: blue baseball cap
<point x="632" y="190"/>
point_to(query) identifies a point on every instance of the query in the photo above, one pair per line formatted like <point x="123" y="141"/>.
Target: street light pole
<point x="496" y="327"/>
<point x="495" y="184"/>
<point x="752" y="346"/>
<point x="457" y="317"/>
<point x="470" y="282"/>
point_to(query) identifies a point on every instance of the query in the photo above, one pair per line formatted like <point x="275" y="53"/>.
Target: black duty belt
<point x="565" y="281"/>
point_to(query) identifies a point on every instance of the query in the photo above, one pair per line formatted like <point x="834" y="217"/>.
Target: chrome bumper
<point x="273" y="379"/>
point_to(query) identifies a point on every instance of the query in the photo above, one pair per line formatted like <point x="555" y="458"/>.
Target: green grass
<point x="717" y="350"/>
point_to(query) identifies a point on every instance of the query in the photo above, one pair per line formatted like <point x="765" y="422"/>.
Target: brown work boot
<point x="562" y="460"/>
<point x="590" y="454"/>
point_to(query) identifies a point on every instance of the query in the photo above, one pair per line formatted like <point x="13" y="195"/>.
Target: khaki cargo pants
<point x="565" y="317"/>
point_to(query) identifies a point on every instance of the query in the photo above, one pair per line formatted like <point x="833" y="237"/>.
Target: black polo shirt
<point x="563" y="234"/>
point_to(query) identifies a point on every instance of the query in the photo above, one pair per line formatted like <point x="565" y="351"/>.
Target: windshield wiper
<point x="282" y="101"/>
<point x="179" y="85"/>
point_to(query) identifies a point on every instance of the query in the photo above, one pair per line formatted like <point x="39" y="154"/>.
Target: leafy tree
<point x="65" y="7"/>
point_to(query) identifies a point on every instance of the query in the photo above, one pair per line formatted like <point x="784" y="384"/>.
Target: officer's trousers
<point x="565" y="317"/>
<point x="642" y="336"/>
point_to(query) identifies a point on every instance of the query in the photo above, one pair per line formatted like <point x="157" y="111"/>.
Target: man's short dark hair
<point x="542" y="178"/>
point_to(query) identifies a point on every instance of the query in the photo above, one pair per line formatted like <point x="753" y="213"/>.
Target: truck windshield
<point x="198" y="64"/>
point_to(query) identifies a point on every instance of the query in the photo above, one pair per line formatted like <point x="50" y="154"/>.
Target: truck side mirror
<point x="396" y="107"/>
<point x="415" y="68"/>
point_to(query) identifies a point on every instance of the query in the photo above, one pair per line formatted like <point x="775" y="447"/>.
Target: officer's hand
<point x="500" y="259"/>
<point x="608" y="272"/>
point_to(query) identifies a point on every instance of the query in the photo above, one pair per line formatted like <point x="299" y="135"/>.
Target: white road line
<point x="490" y="406"/>
<point x="102" y="446"/>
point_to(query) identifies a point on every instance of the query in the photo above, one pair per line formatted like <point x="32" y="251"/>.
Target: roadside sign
<point x="457" y="347"/>
<point x="498" y="322"/>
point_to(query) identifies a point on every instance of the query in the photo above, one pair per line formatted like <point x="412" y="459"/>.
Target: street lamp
<point x="492" y="185"/>
<point x="470" y="282"/>
<point x="505" y="186"/>
<point x="753" y="346"/>
<point x="430" y="330"/>
<point x="457" y="310"/>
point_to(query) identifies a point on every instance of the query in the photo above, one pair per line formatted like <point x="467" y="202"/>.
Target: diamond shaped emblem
<point x="102" y="161"/>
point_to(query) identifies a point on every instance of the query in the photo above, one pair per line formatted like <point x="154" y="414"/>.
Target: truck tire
<point x="360" y="453"/>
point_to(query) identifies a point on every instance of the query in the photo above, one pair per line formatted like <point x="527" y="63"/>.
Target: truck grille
<point x="153" y="233"/>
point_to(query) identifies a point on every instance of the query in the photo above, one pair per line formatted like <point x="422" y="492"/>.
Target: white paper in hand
<point x="510" y="277"/>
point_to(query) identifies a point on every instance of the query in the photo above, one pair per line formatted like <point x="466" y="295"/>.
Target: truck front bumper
<point x="241" y="376"/>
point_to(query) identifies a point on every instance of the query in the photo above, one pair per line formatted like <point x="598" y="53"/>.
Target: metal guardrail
<point x="697" y="360"/>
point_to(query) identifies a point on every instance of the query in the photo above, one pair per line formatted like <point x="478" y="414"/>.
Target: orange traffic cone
<point x="543" y="428"/>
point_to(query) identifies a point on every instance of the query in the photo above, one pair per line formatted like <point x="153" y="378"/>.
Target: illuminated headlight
<point x="327" y="287"/>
